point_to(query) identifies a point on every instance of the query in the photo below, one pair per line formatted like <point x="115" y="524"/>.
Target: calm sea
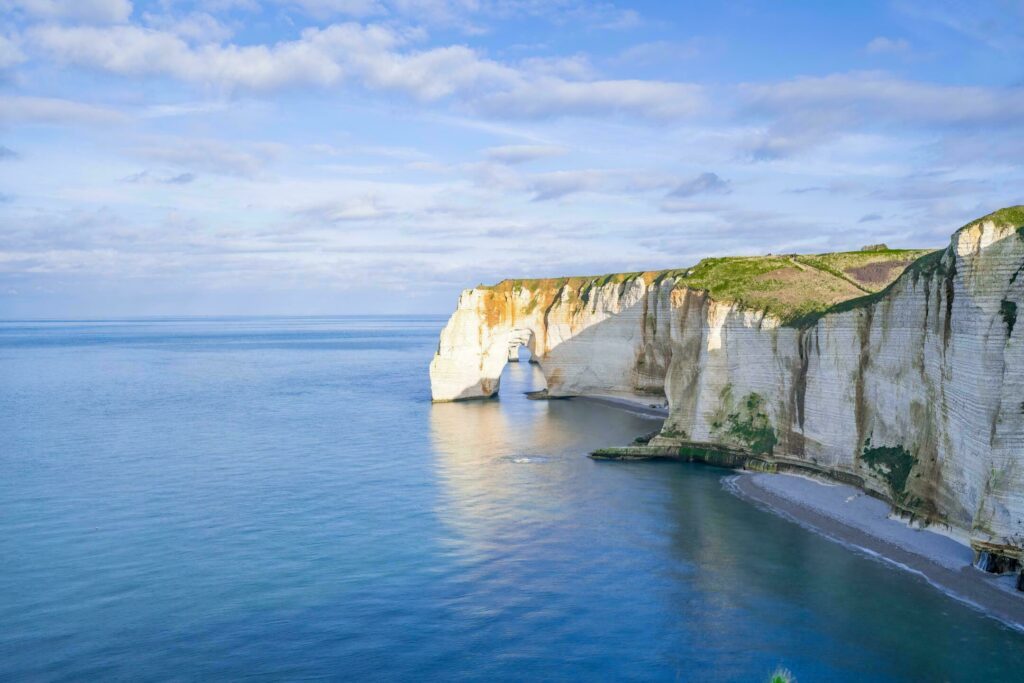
<point x="196" y="499"/>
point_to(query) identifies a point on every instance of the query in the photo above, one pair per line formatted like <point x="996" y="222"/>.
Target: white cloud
<point x="195" y="26"/>
<point x="364" y="208"/>
<point x="787" y="137"/>
<point x="100" y="11"/>
<point x="131" y="50"/>
<point x="877" y="97"/>
<point x="705" y="183"/>
<point x="559" y="184"/>
<point x="576" y="67"/>
<point x="661" y="51"/>
<point x="658" y="100"/>
<point x="882" y="45"/>
<point x="21" y="109"/>
<point x="217" y="6"/>
<point x="340" y="193"/>
<point x="372" y="56"/>
<point x="518" y="154"/>
<point x="473" y="16"/>
<point x="148" y="177"/>
<point x="10" y="53"/>
<point x="998" y="25"/>
<point x="562" y="183"/>
<point x="806" y="112"/>
<point x="213" y="156"/>
<point x="158" y="111"/>
<point x="325" y="9"/>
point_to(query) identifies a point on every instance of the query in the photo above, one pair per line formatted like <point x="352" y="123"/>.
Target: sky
<point x="306" y="157"/>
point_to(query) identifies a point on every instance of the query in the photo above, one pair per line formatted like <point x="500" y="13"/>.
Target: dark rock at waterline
<point x="542" y="395"/>
<point x="646" y="438"/>
<point x="994" y="563"/>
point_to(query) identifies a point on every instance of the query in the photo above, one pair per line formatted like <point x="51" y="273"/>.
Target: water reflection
<point x="659" y="554"/>
<point x="506" y="466"/>
<point x="257" y="512"/>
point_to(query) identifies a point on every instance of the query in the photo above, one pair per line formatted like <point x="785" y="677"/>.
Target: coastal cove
<point x="895" y="371"/>
<point x="279" y="497"/>
<point x="844" y="513"/>
<point x="858" y="521"/>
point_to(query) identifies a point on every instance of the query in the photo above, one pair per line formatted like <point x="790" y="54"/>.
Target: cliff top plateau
<point x="795" y="288"/>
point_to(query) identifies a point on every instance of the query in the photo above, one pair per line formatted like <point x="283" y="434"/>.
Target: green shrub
<point x="893" y="463"/>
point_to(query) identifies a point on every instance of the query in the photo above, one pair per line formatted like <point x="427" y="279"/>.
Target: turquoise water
<point x="278" y="498"/>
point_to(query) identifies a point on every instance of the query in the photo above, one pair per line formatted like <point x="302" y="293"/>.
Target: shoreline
<point x="849" y="516"/>
<point x="852" y="518"/>
<point x="637" y="405"/>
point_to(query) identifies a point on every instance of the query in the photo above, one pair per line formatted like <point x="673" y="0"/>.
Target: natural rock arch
<point x="586" y="338"/>
<point x="469" y="362"/>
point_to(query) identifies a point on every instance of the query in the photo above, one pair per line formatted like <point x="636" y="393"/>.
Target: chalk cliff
<point x="901" y="368"/>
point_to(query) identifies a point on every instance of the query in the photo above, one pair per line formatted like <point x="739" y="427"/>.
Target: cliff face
<point x="918" y="388"/>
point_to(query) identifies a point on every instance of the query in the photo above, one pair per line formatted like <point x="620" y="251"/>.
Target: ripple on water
<point x="278" y="498"/>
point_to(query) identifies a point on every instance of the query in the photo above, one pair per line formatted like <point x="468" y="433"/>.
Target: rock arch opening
<point x="522" y="347"/>
<point x="522" y="370"/>
<point x="471" y="359"/>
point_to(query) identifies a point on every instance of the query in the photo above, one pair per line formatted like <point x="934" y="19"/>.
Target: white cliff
<point x="917" y="389"/>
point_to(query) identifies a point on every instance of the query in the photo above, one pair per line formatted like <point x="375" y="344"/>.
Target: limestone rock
<point x="912" y="381"/>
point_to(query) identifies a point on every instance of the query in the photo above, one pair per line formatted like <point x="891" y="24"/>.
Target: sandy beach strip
<point x="851" y="517"/>
<point x="641" y="405"/>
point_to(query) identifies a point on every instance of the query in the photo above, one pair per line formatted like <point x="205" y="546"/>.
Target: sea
<point x="195" y="499"/>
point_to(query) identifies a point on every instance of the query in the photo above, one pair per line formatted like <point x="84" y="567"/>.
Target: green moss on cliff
<point x="745" y="424"/>
<point x="892" y="463"/>
<point x="673" y="433"/>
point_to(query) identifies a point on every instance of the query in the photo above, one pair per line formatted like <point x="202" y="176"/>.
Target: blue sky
<point x="356" y="156"/>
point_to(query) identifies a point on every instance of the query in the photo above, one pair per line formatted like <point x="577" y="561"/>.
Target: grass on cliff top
<point x="799" y="287"/>
<point x="1011" y="216"/>
<point x="871" y="271"/>
<point x="576" y="282"/>
<point x="791" y="287"/>
<point x="796" y="288"/>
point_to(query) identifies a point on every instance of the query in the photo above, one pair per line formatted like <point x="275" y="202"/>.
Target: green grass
<point x="798" y="289"/>
<point x="736" y="278"/>
<point x="849" y="265"/>
<point x="791" y="287"/>
<point x="1011" y="216"/>
<point x="925" y="266"/>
